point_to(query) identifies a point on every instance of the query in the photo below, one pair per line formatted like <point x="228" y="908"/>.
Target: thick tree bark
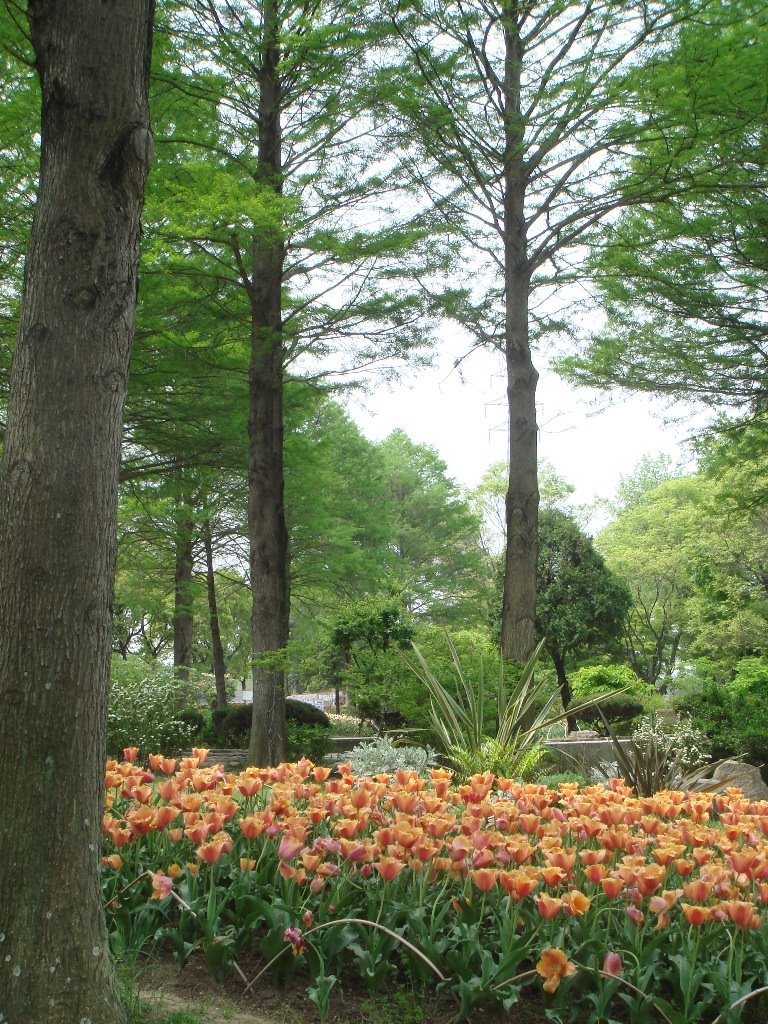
<point x="519" y="599"/>
<point x="183" y="618"/>
<point x="219" y="665"/>
<point x="58" y="500"/>
<point x="267" y="531"/>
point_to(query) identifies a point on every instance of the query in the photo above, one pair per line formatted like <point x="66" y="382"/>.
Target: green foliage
<point x="580" y="604"/>
<point x="734" y="715"/>
<point x="683" y="280"/>
<point x="309" y="741"/>
<point x="601" y="681"/>
<point x="503" y="761"/>
<point x="149" y="708"/>
<point x="382" y="756"/>
<point x="466" y="736"/>
<point x="307" y="728"/>
<point x="593" y="679"/>
<point x="619" y="712"/>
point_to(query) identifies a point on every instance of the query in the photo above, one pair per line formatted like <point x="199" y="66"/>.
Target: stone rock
<point x="745" y="777"/>
<point x="583" y="734"/>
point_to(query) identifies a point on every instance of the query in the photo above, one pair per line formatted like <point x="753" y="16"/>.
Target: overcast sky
<point x="591" y="438"/>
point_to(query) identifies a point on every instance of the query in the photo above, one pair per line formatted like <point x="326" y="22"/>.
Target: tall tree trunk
<point x="219" y="666"/>
<point x="58" y="506"/>
<point x="267" y="531"/>
<point x="183" y="619"/>
<point x="522" y="508"/>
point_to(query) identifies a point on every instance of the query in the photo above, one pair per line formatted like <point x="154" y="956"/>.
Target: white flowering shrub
<point x="382" y="756"/>
<point x="149" y="708"/>
<point x="689" y="746"/>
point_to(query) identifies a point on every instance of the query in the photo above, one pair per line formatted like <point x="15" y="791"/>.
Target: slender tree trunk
<point x="268" y="534"/>
<point x="58" y="506"/>
<point x="183" y="618"/>
<point x="219" y="666"/>
<point x="565" y="687"/>
<point x="519" y="599"/>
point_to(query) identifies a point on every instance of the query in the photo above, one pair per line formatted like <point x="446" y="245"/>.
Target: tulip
<point x="484" y="878"/>
<point x="130" y="753"/>
<point x="553" y="966"/>
<point x="612" y="965"/>
<point x="577" y="903"/>
<point x="548" y="906"/>
<point x="210" y="853"/>
<point x="696" y="915"/>
<point x="162" y="885"/>
<point x="296" y="939"/>
<point x="290" y="846"/>
<point x="389" y="868"/>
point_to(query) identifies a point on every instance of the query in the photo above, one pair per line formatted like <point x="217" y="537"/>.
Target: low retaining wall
<point x="582" y="755"/>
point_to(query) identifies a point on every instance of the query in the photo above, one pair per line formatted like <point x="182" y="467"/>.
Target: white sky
<point x="591" y="438"/>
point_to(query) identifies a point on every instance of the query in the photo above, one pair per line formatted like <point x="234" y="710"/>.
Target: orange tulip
<point x="698" y="890"/>
<point x="130" y="753"/>
<point x="163" y="817"/>
<point x="576" y="903"/>
<point x="210" y="853"/>
<point x="290" y="846"/>
<point x="611" y="886"/>
<point x="696" y="915"/>
<point x="548" y="906"/>
<point x="742" y="913"/>
<point x="553" y="966"/>
<point x="388" y="867"/>
<point x="484" y="878"/>
<point x="252" y="826"/>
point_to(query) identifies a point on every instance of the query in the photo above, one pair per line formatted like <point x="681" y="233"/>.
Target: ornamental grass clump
<point x="605" y="902"/>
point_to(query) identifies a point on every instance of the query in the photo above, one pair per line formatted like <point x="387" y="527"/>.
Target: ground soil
<point x="170" y="989"/>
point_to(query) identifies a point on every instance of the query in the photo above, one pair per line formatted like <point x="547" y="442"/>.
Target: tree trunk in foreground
<point x="58" y="499"/>
<point x="267" y="531"/>
<point x="518" y="615"/>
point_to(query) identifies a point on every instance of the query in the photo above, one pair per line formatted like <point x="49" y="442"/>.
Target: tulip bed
<point x="619" y="907"/>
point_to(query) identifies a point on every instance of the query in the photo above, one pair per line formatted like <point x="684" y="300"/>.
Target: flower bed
<point x="645" y="908"/>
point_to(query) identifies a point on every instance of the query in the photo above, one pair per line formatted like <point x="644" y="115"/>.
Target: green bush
<point x="734" y="715"/>
<point x="149" y="708"/>
<point x="596" y="679"/>
<point x="620" y="711"/>
<point x="310" y="741"/>
<point x="231" y="726"/>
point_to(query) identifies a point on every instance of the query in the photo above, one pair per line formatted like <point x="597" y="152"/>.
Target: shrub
<point x="663" y="756"/>
<point x="491" y="756"/>
<point x="310" y="741"/>
<point x="382" y="756"/>
<point x="734" y="715"/>
<point x="594" y="679"/>
<point x="149" y="708"/>
<point x="619" y="711"/>
<point x="302" y="713"/>
<point x="231" y="726"/>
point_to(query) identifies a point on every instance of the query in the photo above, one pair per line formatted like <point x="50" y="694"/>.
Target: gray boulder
<point x="744" y="776"/>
